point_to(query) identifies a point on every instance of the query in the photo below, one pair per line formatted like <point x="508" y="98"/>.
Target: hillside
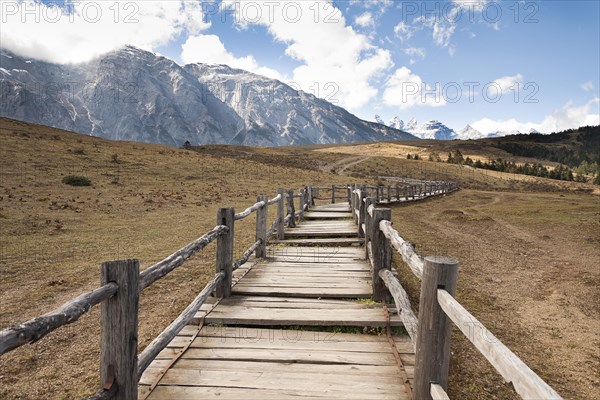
<point x="528" y="248"/>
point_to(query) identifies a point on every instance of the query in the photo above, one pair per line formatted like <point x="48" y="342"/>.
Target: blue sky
<point x="496" y="65"/>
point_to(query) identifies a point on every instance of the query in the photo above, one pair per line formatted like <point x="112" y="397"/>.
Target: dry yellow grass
<point x="150" y="200"/>
<point x="145" y="203"/>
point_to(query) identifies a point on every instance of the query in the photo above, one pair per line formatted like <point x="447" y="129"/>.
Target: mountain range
<point x="132" y="94"/>
<point x="436" y="130"/>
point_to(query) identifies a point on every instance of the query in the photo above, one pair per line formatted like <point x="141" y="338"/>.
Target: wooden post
<point x="349" y="193"/>
<point x="261" y="227"/>
<point x="119" y="321"/>
<point x="291" y="209"/>
<point x="377" y="197"/>
<point x="382" y="256"/>
<point x="301" y="205"/>
<point x="389" y="194"/>
<point x="368" y="234"/>
<point x="398" y="192"/>
<point x="433" y="336"/>
<point x="311" y="199"/>
<point x="353" y="204"/>
<point x="333" y="193"/>
<point x="281" y="215"/>
<point x="225" y="216"/>
<point x="361" y="212"/>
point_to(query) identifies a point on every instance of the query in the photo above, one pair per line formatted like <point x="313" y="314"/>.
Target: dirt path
<point x="339" y="167"/>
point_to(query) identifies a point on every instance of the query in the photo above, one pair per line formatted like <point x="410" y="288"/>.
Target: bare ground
<point x="528" y="248"/>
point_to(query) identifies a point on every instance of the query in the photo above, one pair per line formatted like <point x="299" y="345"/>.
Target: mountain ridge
<point x="132" y="94"/>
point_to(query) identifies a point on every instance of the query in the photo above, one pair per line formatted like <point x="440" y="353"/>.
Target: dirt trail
<point x="339" y="167"/>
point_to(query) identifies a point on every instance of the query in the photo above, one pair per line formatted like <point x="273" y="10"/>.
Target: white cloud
<point x="403" y="31"/>
<point x="365" y="20"/>
<point x="406" y="90"/>
<point x="587" y="86"/>
<point x="332" y="54"/>
<point x="566" y="117"/>
<point x="87" y="29"/>
<point x="507" y="83"/>
<point x="442" y="28"/>
<point x="475" y="5"/>
<point x="209" y="49"/>
<point x="415" y="53"/>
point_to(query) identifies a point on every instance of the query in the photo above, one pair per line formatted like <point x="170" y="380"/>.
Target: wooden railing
<point x="121" y="367"/>
<point x="122" y="283"/>
<point x="430" y="333"/>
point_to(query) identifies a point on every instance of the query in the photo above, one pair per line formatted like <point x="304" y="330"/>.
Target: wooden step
<point x="348" y="241"/>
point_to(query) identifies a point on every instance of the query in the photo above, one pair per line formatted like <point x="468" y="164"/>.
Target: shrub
<point x="74" y="180"/>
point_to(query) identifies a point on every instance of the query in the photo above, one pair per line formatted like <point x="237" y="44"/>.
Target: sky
<point x="496" y="65"/>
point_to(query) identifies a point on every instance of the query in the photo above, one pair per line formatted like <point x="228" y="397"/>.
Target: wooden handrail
<point x="244" y="258"/>
<point x="526" y="382"/>
<point x="406" y="250"/>
<point x="167" y="335"/>
<point x="274" y="199"/>
<point x="162" y="268"/>
<point x="430" y="333"/>
<point x="249" y="210"/>
<point x="36" y="328"/>
<point x="403" y="306"/>
<point x="438" y="393"/>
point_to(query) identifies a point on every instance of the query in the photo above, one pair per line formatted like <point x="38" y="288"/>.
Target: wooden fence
<point x="430" y="332"/>
<point x="121" y="366"/>
<point x="121" y="284"/>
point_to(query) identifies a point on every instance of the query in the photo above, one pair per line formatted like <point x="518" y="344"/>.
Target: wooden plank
<point x="257" y="333"/>
<point x="286" y="355"/>
<point x="195" y="393"/>
<point x="281" y="381"/>
<point x="319" y="241"/>
<point x="297" y="316"/>
<point x="358" y="293"/>
<point x="254" y="366"/>
<point x="327" y="215"/>
<point x="234" y="343"/>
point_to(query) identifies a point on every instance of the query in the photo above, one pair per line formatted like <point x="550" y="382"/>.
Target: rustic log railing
<point x="430" y="333"/>
<point x="122" y="283"/>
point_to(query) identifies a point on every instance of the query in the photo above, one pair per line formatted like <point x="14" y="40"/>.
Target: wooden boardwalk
<point x="261" y="343"/>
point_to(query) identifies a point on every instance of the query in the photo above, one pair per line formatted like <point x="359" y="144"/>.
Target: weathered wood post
<point x="368" y="234"/>
<point x="119" y="336"/>
<point x="389" y="194"/>
<point x="332" y="193"/>
<point x="398" y="192"/>
<point x="382" y="255"/>
<point x="433" y="336"/>
<point x="377" y="196"/>
<point x="361" y="211"/>
<point x="353" y="204"/>
<point x="301" y="205"/>
<point x="261" y="227"/>
<point x="225" y="216"/>
<point x="349" y="193"/>
<point x="311" y="200"/>
<point x="291" y="209"/>
<point x="281" y="214"/>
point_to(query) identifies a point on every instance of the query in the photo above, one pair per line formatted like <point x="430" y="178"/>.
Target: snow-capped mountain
<point x="468" y="132"/>
<point x="131" y="94"/>
<point x="433" y="130"/>
<point x="411" y="125"/>
<point x="396" y="123"/>
<point x="437" y="130"/>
